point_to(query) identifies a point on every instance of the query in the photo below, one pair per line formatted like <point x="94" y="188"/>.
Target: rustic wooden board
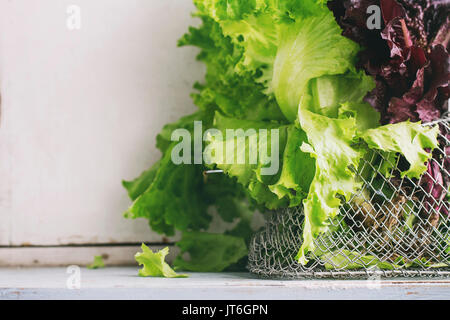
<point x="122" y="255"/>
<point x="81" y="110"/>
<point x="123" y="283"/>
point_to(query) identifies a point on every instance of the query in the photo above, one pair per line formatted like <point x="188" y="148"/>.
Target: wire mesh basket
<point x="393" y="227"/>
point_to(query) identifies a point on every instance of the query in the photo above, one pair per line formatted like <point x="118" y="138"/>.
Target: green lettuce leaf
<point x="409" y="139"/>
<point x="297" y="171"/>
<point x="138" y="186"/>
<point x="336" y="122"/>
<point x="308" y="49"/>
<point x="161" y="193"/>
<point x="329" y="93"/>
<point x="234" y="94"/>
<point x="179" y="197"/>
<point x="336" y="145"/>
<point x="366" y="117"/>
<point x="97" y="264"/>
<point x="154" y="264"/>
<point x="164" y="202"/>
<point x="350" y="260"/>
<point x="209" y="252"/>
<point x="238" y="9"/>
<point x="284" y="44"/>
<point x="288" y="184"/>
<point x="331" y="144"/>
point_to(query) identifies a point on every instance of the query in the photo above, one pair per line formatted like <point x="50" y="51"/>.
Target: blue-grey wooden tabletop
<point x="124" y="283"/>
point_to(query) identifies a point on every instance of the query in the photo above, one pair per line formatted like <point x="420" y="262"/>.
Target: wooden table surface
<point x="123" y="283"/>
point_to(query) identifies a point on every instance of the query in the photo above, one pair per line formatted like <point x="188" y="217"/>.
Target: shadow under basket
<point x="394" y="227"/>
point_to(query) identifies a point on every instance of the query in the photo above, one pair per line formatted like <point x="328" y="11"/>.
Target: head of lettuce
<point x="270" y="64"/>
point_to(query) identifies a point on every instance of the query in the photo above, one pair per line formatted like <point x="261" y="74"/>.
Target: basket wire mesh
<point x="392" y="227"/>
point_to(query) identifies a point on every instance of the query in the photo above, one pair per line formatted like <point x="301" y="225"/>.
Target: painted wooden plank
<point x="80" y="112"/>
<point x="63" y="256"/>
<point x="5" y="190"/>
<point x="123" y="283"/>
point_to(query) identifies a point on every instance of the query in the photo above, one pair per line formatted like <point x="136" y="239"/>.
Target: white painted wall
<point x="80" y="112"/>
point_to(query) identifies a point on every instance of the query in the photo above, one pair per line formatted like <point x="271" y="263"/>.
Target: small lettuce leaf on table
<point x="98" y="263"/>
<point x="154" y="264"/>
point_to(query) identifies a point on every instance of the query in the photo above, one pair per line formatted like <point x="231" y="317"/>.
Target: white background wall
<point x="80" y="112"/>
